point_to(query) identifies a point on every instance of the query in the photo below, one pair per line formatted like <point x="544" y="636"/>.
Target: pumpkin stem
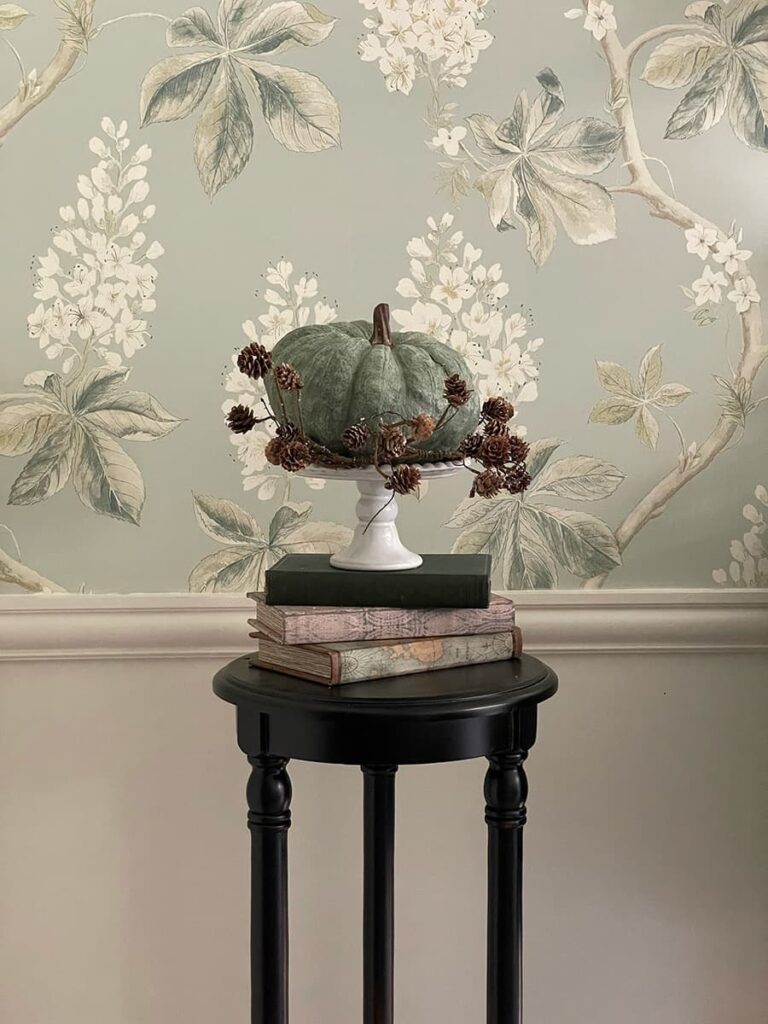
<point x="381" y="333"/>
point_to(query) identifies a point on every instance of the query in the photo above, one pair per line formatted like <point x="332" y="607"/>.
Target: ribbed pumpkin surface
<point x="347" y="378"/>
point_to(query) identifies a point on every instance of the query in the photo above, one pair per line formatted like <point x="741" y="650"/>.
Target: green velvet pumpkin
<point x="359" y="370"/>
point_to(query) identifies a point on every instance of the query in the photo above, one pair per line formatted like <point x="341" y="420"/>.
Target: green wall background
<point x="346" y="214"/>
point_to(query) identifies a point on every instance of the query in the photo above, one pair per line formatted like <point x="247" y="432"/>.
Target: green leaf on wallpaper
<point x="230" y="569"/>
<point x="249" y="552"/>
<point x="283" y="26"/>
<point x="224" y="134"/>
<point x="629" y="398"/>
<point x="579" y="478"/>
<point x="538" y="175"/>
<point x="175" y="87"/>
<point x="300" y="111"/>
<point x="72" y="431"/>
<point x="131" y="416"/>
<point x="49" y="468"/>
<point x="105" y="477"/>
<point x="11" y="16"/>
<point x="527" y="540"/>
<point x="194" y="27"/>
<point x="96" y="387"/>
<point x="584" y="544"/>
<point x="225" y="521"/>
<point x="721" y="60"/>
<point x="23" y="425"/>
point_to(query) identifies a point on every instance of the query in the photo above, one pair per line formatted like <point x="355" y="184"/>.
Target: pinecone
<point x="518" y="449"/>
<point x="403" y="479"/>
<point x="295" y="455"/>
<point x="456" y="392"/>
<point x="496" y="427"/>
<point x="471" y="445"/>
<point x="254" y="361"/>
<point x="241" y="419"/>
<point x="356" y="437"/>
<point x="287" y="432"/>
<point x="488" y="484"/>
<point x="391" y="443"/>
<point x="517" y="480"/>
<point x="287" y="378"/>
<point x="273" y="451"/>
<point x="494" y="450"/>
<point x="422" y="426"/>
<point x="498" y="408"/>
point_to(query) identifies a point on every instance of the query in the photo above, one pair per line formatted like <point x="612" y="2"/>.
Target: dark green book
<point x="441" y="581"/>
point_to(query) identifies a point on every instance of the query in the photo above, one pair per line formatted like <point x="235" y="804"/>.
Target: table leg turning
<point x="506" y="790"/>
<point x="269" y="818"/>
<point x="378" y="893"/>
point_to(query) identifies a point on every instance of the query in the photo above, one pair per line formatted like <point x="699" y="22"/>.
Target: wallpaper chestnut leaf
<point x="568" y="197"/>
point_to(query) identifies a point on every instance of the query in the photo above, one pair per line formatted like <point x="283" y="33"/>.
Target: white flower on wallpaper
<point x="749" y="556"/>
<point x="599" y="18"/>
<point x="729" y="277"/>
<point x="458" y="299"/>
<point x="289" y="301"/>
<point x="95" y="285"/>
<point x="440" y="40"/>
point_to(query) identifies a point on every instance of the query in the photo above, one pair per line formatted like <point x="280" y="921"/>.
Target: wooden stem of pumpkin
<point x="381" y="332"/>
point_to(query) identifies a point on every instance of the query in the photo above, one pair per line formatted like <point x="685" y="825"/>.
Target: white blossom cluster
<point x="727" y="252"/>
<point x="436" y="39"/>
<point x="289" y="304"/>
<point x="749" y="556"/>
<point x="97" y="281"/>
<point x="457" y="300"/>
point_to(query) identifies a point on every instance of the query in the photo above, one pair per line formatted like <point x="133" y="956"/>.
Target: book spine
<point x="427" y="655"/>
<point x="358" y="590"/>
<point x="386" y="623"/>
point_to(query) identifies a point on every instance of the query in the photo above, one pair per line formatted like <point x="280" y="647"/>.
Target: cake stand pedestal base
<point x="376" y="544"/>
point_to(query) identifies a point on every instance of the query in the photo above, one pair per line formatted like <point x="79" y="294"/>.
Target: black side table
<point x="483" y="711"/>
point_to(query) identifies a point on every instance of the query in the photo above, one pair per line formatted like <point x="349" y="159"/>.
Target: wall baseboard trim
<point x="73" y="626"/>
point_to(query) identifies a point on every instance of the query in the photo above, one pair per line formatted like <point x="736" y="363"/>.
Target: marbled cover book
<point x="296" y="624"/>
<point x="352" y="662"/>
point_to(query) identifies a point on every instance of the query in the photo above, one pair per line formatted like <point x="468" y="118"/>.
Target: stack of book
<point x="336" y="626"/>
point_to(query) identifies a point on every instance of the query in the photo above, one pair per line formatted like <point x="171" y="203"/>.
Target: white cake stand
<point x="376" y="544"/>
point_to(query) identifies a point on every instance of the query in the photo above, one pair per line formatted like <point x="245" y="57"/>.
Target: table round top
<point x="425" y="717"/>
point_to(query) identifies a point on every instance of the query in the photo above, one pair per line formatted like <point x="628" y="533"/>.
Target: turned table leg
<point x="378" y="893"/>
<point x="506" y="790"/>
<point x="269" y="818"/>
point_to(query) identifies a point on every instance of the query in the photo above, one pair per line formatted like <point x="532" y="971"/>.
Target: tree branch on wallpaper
<point x="17" y="574"/>
<point x="702" y="60"/>
<point x="93" y="288"/>
<point x="75" y="28"/>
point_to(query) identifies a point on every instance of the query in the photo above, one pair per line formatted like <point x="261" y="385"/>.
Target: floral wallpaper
<point x="570" y="198"/>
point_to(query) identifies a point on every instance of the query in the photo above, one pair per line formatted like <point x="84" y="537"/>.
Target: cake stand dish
<point x="376" y="544"/>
